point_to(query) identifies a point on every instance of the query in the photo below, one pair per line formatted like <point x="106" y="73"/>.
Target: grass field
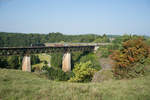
<point x="18" y="85"/>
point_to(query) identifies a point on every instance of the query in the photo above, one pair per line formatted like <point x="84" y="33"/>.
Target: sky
<point x="75" y="16"/>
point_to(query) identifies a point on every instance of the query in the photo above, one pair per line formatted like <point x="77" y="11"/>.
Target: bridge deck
<point x="49" y="48"/>
<point x="43" y="49"/>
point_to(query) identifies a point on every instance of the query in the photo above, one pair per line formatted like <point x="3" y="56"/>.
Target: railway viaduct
<point x="67" y="49"/>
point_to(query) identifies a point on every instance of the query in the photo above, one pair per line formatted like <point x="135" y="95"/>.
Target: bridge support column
<point x="66" y="62"/>
<point x="96" y="48"/>
<point x="26" y="63"/>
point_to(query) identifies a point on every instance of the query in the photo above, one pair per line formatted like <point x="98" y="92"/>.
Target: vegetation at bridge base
<point x="15" y="62"/>
<point x="93" y="58"/>
<point x="56" y="60"/>
<point x="132" y="60"/>
<point x="35" y="59"/>
<point x="83" y="72"/>
<point x="3" y="62"/>
<point x="56" y="74"/>
<point x="11" y="62"/>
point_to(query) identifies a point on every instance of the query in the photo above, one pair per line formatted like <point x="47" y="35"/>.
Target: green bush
<point x="56" y="74"/>
<point x="83" y="72"/>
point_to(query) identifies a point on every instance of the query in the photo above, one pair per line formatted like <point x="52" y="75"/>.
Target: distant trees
<point x="102" y="39"/>
<point x="19" y="39"/>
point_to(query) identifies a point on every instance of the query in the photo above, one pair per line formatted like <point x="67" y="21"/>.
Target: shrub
<point x="83" y="72"/>
<point x="129" y="61"/>
<point x="56" y="74"/>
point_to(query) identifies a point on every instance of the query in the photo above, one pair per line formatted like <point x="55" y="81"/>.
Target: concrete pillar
<point x="26" y="64"/>
<point x="66" y="62"/>
<point x="96" y="48"/>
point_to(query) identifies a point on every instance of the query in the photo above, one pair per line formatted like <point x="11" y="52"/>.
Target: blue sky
<point x="75" y="16"/>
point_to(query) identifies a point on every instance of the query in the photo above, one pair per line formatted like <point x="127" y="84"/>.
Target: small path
<point x="106" y="63"/>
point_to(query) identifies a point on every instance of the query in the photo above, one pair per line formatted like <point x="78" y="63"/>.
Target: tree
<point x="56" y="60"/>
<point x="35" y="59"/>
<point x="83" y="72"/>
<point x="3" y="62"/>
<point x="13" y="62"/>
<point x="129" y="61"/>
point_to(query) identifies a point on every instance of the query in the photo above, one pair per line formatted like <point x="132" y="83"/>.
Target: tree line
<point x="21" y="39"/>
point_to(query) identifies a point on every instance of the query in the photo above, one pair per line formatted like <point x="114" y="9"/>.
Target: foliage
<point x="44" y="60"/>
<point x="56" y="74"/>
<point x="105" y="51"/>
<point x="35" y="59"/>
<point x="117" y="42"/>
<point x="3" y="62"/>
<point x="129" y="61"/>
<point x="56" y="60"/>
<point x="92" y="58"/>
<point x="20" y="39"/>
<point x="83" y="72"/>
<point x="11" y="62"/>
<point x="102" y="39"/>
<point x="14" y="62"/>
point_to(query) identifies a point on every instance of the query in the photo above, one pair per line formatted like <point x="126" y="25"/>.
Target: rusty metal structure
<point x="49" y="48"/>
<point x="6" y="51"/>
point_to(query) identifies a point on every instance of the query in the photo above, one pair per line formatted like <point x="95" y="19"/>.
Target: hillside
<point x="18" y="85"/>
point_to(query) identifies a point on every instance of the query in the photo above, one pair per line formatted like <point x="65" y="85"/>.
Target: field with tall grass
<point x="18" y="85"/>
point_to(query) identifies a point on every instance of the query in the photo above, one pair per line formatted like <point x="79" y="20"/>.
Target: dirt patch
<point x="106" y="63"/>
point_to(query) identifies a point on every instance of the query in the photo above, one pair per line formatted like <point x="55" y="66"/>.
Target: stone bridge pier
<point x="66" y="62"/>
<point x="26" y="63"/>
